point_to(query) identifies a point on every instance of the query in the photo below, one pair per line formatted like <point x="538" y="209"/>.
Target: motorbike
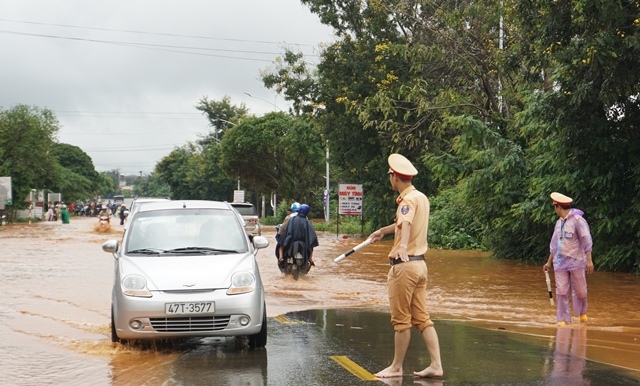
<point x="296" y="266"/>
<point x="104" y="219"/>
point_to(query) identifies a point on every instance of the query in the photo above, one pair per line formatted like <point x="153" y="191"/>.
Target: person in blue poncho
<point x="298" y="236"/>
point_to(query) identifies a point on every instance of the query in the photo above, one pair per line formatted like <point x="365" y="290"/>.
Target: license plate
<point x="188" y="308"/>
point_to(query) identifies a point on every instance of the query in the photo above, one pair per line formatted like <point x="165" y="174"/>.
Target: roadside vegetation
<point x="497" y="103"/>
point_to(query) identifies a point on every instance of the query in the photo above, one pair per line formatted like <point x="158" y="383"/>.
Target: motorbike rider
<point x="104" y="215"/>
<point x="298" y="236"/>
<point x="291" y="212"/>
<point x="121" y="213"/>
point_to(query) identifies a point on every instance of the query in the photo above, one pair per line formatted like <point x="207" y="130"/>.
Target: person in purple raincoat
<point x="570" y="254"/>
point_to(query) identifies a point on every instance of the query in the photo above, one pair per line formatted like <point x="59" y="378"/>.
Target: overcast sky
<point x="123" y="76"/>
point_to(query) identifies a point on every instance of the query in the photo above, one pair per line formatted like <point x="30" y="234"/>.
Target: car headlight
<point x="135" y="285"/>
<point x="242" y="282"/>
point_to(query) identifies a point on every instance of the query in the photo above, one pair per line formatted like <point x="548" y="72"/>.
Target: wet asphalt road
<point x="345" y="347"/>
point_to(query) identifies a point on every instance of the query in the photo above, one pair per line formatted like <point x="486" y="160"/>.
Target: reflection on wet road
<point x="345" y="347"/>
<point x="472" y="355"/>
<point x="493" y="318"/>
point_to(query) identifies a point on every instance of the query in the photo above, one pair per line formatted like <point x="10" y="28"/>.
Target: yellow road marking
<point x="283" y="319"/>
<point x="354" y="368"/>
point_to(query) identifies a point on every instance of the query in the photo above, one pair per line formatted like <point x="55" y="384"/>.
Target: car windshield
<point x="185" y="231"/>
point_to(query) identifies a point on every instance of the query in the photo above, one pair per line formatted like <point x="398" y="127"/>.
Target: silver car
<point x="187" y="269"/>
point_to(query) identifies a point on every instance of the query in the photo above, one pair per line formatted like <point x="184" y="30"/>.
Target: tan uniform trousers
<point x="407" y="283"/>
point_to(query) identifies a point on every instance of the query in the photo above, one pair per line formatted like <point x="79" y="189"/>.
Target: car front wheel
<point x="259" y="340"/>
<point x="114" y="336"/>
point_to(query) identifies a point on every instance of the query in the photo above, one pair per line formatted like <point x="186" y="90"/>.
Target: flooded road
<point x="56" y="284"/>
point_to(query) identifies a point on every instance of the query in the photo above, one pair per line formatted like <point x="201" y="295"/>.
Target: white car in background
<point x="137" y="203"/>
<point x="250" y="217"/>
<point x="187" y="269"/>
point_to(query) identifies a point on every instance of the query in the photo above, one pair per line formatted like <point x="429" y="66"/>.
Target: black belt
<point x="397" y="260"/>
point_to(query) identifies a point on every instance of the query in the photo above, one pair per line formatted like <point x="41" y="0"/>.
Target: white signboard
<point x="5" y="189"/>
<point x="238" y="196"/>
<point x="31" y="196"/>
<point x="350" y="199"/>
<point x="55" y="197"/>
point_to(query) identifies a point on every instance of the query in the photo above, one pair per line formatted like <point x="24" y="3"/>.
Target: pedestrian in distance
<point x="570" y="256"/>
<point x="122" y="213"/>
<point x="64" y="214"/>
<point x="50" y="214"/>
<point x="407" y="277"/>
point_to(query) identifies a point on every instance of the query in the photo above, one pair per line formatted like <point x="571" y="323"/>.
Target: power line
<point x="156" y="47"/>
<point x="126" y="112"/>
<point x="126" y="150"/>
<point x="152" y="33"/>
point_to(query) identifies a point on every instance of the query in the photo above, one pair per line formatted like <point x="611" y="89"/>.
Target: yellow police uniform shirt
<point x="413" y="207"/>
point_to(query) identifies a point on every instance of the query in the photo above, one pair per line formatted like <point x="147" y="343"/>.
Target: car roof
<point x="180" y="204"/>
<point x="150" y="199"/>
<point x="241" y="204"/>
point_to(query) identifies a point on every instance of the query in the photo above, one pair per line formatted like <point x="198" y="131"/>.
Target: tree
<point x="275" y="153"/>
<point x="389" y="82"/>
<point x="27" y="137"/>
<point x="152" y="186"/>
<point x="107" y="184"/>
<point x="213" y="183"/>
<point x="78" y="177"/>
<point x="192" y="172"/>
<point x="582" y="124"/>
<point x="221" y="114"/>
<point x="175" y="171"/>
<point x="292" y="77"/>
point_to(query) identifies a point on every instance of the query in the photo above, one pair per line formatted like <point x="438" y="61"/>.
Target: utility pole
<point x="326" y="215"/>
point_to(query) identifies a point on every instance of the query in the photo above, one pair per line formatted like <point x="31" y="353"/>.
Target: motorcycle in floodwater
<point x="296" y="266"/>
<point x="104" y="219"/>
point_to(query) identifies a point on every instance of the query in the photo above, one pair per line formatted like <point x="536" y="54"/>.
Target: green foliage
<point x="27" y="137"/>
<point x="192" y="172"/>
<point x="152" y="186"/>
<point x="107" y="185"/>
<point x="453" y="224"/>
<point x="346" y="225"/>
<point x="72" y="185"/>
<point x="583" y="128"/>
<point x="291" y="69"/>
<point x="500" y="118"/>
<point x="221" y="115"/>
<point x="78" y="178"/>
<point x="275" y="152"/>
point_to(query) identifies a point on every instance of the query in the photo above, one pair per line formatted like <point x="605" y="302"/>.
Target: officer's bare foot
<point x="389" y="372"/>
<point x="429" y="372"/>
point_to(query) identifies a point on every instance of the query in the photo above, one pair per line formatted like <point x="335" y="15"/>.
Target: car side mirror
<point x="110" y="246"/>
<point x="260" y="242"/>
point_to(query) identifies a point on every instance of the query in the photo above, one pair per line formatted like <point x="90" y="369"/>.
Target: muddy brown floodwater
<point x="56" y="294"/>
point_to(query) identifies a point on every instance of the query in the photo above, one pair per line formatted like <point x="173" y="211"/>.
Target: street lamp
<point x="225" y="121"/>
<point x="216" y="130"/>
<point x="262" y="99"/>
